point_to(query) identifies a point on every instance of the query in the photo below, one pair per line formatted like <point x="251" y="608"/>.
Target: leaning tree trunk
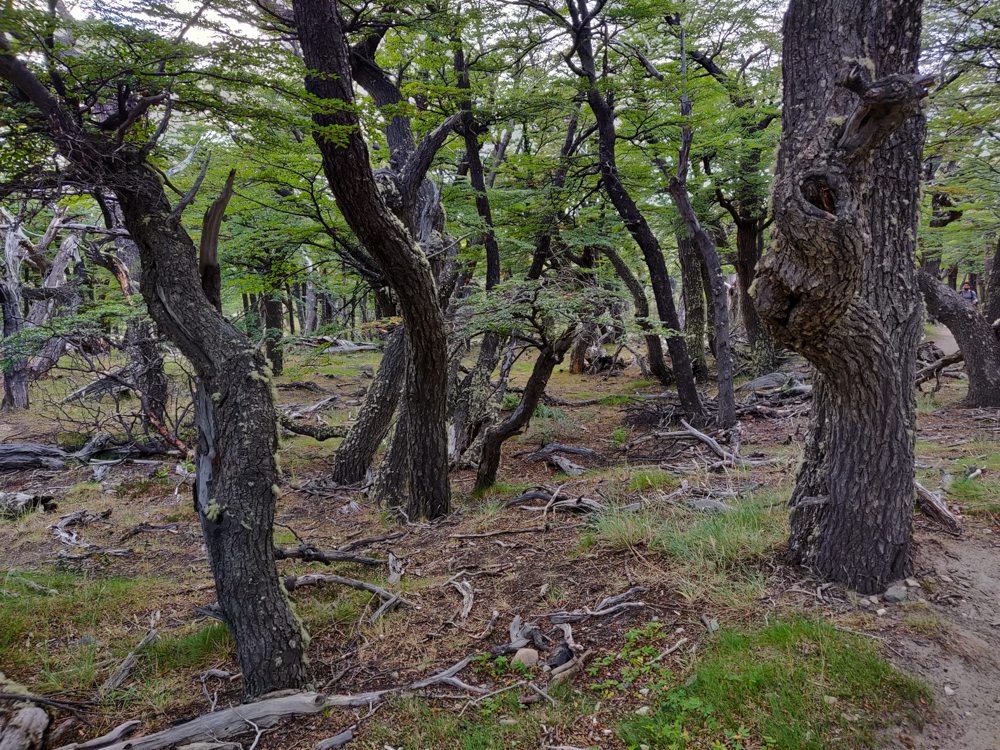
<point x="548" y="358"/>
<point x="392" y="244"/>
<point x="654" y="345"/>
<point x="355" y="453"/>
<point x="974" y="335"/>
<point x="693" y="292"/>
<point x="237" y="469"/>
<point x="838" y="284"/>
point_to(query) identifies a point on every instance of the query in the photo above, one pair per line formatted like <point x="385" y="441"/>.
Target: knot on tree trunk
<point x="885" y="105"/>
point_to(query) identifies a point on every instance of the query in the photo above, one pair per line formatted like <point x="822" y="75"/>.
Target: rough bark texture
<point x="838" y="285"/>
<point x="974" y="336"/>
<point x="548" y="358"/>
<point x="236" y="462"/>
<point x="390" y="242"/>
<point x="991" y="299"/>
<point x="355" y="454"/>
<point x="693" y="292"/>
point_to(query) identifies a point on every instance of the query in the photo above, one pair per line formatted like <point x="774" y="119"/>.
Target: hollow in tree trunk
<point x="838" y="285"/>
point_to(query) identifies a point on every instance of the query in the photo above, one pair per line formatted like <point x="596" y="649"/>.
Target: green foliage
<point x="196" y="649"/>
<point x="794" y="684"/>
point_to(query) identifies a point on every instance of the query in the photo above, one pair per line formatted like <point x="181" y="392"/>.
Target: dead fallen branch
<point x="316" y="432"/>
<point x="566" y="466"/>
<point x="611" y="605"/>
<point x="534" y="529"/>
<point x="124" y="670"/>
<point x="309" y="553"/>
<point x="569" y="670"/>
<point x="934" y="507"/>
<point x="468" y="597"/>
<point x="931" y="371"/>
<point x="312" y="579"/>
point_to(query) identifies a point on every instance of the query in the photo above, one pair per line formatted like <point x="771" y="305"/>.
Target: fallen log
<point x="931" y="371"/>
<point x="17" y="456"/>
<point x="17" y="504"/>
<point x="25" y="730"/>
<point x="309" y="553"/>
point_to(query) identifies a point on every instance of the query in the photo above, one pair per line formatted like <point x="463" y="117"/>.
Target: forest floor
<point x="768" y="656"/>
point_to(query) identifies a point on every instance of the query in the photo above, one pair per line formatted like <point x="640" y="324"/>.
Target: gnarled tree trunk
<point x="838" y="284"/>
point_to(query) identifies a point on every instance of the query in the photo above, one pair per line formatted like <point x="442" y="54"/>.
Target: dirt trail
<point x="943" y="338"/>
<point x="962" y="662"/>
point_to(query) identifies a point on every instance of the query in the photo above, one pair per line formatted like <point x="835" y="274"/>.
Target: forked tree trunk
<point x="355" y="453"/>
<point x="517" y="420"/>
<point x="974" y="335"/>
<point x="392" y="244"/>
<point x="838" y="285"/>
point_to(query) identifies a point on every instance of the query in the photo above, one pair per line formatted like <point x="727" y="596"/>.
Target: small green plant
<point x="546" y="412"/>
<point x="633" y="667"/>
<point x="619" y="437"/>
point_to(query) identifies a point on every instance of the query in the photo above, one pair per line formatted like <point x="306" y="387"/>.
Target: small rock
<point x="912" y="583"/>
<point x="829" y="700"/>
<point x="881" y="612"/>
<point x="508" y="722"/>
<point x="643" y="747"/>
<point x="643" y="711"/>
<point x="864" y="603"/>
<point x="873" y="599"/>
<point x="948" y="690"/>
<point x="947" y="579"/>
<point x="526" y="656"/>
<point x="644" y="691"/>
<point x="896" y="594"/>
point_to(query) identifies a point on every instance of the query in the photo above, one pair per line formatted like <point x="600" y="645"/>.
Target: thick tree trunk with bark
<point x="976" y="338"/>
<point x="838" y="285"/>
<point x="693" y="292"/>
<point x="991" y="298"/>
<point x="236" y="463"/>
<point x="517" y="420"/>
<point x="391" y="243"/>
<point x="355" y="453"/>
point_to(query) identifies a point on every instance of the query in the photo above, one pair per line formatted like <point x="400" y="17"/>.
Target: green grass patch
<point x="197" y="649"/>
<point x="496" y="723"/>
<point x="646" y="480"/>
<point x="977" y="496"/>
<point x="797" y="684"/>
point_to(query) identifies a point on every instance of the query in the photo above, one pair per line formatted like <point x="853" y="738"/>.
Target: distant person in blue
<point x="968" y="295"/>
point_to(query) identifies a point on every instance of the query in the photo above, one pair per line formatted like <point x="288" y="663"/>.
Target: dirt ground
<point x="526" y="562"/>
